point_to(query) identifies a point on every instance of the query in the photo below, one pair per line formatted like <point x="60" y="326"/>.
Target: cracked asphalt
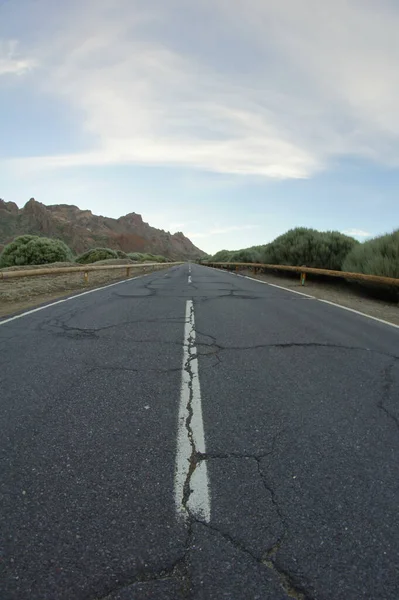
<point x="300" y="404"/>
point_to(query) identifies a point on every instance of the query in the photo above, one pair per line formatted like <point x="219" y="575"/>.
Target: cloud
<point x="10" y="62"/>
<point x="357" y="233"/>
<point x="272" y="89"/>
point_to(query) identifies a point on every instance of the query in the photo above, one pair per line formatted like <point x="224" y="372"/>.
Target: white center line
<point x="189" y="279"/>
<point x="192" y="495"/>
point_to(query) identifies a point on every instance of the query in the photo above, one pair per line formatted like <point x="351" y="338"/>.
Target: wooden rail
<point x="78" y="269"/>
<point x="303" y="270"/>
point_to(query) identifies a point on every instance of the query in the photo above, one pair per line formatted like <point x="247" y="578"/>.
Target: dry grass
<point x="56" y="265"/>
<point x="27" y="292"/>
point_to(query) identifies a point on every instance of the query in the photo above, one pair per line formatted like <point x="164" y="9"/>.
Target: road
<point x="196" y="434"/>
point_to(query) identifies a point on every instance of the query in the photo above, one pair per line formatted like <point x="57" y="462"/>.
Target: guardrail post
<point x="86" y="276"/>
<point x="127" y="271"/>
<point x="303" y="278"/>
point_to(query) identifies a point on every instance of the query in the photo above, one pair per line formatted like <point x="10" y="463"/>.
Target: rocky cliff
<point x="81" y="230"/>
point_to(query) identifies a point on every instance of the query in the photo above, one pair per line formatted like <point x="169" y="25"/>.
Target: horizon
<point x="231" y="122"/>
<point x="360" y="238"/>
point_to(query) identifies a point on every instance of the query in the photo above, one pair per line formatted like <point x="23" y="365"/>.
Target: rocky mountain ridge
<point x="82" y="230"/>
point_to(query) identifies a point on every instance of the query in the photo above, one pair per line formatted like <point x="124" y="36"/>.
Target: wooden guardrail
<point x="304" y="270"/>
<point x="85" y="269"/>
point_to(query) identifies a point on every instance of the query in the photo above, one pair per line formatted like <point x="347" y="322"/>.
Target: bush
<point x="121" y="254"/>
<point x="310" y="248"/>
<point x="161" y="259"/>
<point x="247" y="255"/>
<point x="222" y="256"/>
<point x="379" y="256"/>
<point x="147" y="257"/>
<point x="135" y="256"/>
<point x="96" y="254"/>
<point x="34" y="250"/>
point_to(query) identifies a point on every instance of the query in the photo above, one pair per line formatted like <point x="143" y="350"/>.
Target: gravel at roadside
<point x="336" y="291"/>
<point x="27" y="292"/>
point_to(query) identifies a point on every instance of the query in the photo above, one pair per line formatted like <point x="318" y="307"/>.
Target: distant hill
<point x="81" y="230"/>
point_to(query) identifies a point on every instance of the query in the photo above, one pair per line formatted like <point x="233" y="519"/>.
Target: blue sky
<point x="231" y="120"/>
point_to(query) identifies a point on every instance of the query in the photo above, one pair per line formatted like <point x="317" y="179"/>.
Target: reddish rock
<point x="9" y="207"/>
<point x="81" y="230"/>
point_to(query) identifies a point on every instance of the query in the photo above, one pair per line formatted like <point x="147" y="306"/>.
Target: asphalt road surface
<point x="198" y="435"/>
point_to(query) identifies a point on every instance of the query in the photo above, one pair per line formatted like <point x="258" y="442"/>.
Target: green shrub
<point x="222" y="256"/>
<point x="96" y="254"/>
<point x="121" y="254"/>
<point x="310" y="248"/>
<point x="34" y="250"/>
<point x="161" y="259"/>
<point x="247" y="255"/>
<point x="137" y="256"/>
<point x="147" y="257"/>
<point x="379" y="256"/>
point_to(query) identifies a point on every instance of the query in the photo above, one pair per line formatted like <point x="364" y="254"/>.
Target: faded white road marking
<point x="357" y="312"/>
<point x="280" y="287"/>
<point x="189" y="279"/>
<point x="192" y="495"/>
<point x="33" y="310"/>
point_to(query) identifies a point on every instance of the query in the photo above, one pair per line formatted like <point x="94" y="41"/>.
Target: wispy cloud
<point x="11" y="63"/>
<point x="300" y="84"/>
<point x="357" y="233"/>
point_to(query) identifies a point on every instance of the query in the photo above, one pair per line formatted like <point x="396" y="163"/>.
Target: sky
<point x="230" y="120"/>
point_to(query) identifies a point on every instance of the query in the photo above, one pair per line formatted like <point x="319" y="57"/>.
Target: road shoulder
<point x="336" y="292"/>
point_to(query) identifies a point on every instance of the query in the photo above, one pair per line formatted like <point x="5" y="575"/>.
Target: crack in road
<point x="287" y="583"/>
<point x="232" y="294"/>
<point x="76" y="332"/>
<point x="388" y="381"/>
<point x="177" y="571"/>
<point x="219" y="348"/>
<point x="291" y="587"/>
<point x="132" y="370"/>
<point x="193" y="461"/>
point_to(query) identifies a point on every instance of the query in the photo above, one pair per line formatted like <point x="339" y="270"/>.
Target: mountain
<point x="81" y="230"/>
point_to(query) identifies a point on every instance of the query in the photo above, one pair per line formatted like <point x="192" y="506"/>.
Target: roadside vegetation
<point x="379" y="256"/>
<point x="147" y="257"/>
<point x="311" y="248"/>
<point x="35" y="250"/>
<point x="297" y="247"/>
<point x="96" y="254"/>
<point x="323" y="250"/>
